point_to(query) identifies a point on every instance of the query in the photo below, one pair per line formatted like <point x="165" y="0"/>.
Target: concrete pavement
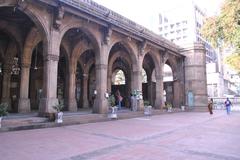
<point x="174" y="136"/>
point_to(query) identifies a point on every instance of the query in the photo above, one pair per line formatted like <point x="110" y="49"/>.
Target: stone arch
<point x="87" y="101"/>
<point x="88" y="31"/>
<point x="12" y="31"/>
<point x="65" y="54"/>
<point x="121" y="64"/>
<point x="116" y="70"/>
<point x="90" y="63"/>
<point x="78" y="50"/>
<point x="33" y="38"/>
<point x="172" y="62"/>
<point x="39" y="21"/>
<point x="32" y="12"/>
<point x="121" y="52"/>
<point x="156" y="60"/>
<point x="151" y="64"/>
<point x="174" y="95"/>
<point x="129" y="48"/>
<point x="33" y="16"/>
<point x="113" y="59"/>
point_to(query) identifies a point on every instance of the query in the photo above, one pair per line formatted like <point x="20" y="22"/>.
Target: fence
<point x="218" y="103"/>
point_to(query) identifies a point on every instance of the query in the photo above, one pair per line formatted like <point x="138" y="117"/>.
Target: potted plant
<point x="112" y="101"/>
<point x="147" y="108"/>
<point x="3" y="111"/>
<point x="59" y="115"/>
<point x="169" y="107"/>
<point x="182" y="107"/>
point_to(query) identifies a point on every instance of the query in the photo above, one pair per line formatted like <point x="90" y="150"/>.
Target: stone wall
<point x="195" y="76"/>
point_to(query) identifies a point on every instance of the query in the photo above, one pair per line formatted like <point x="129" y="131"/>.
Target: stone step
<point x="23" y="121"/>
<point x="15" y="123"/>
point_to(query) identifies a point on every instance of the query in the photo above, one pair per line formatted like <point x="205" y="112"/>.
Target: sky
<point x="145" y="12"/>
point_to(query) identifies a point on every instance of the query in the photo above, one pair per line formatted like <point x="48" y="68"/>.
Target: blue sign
<point x="190" y="98"/>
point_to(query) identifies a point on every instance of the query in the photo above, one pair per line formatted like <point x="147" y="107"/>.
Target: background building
<point x="182" y="25"/>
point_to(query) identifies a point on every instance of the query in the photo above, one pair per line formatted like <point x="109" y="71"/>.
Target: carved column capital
<point x="59" y="15"/>
<point x="107" y="34"/>
<point x="25" y="65"/>
<point x="165" y="56"/>
<point x="22" y="4"/>
<point x="142" y="46"/>
<point x="101" y="66"/>
<point x="7" y="68"/>
<point x="51" y="57"/>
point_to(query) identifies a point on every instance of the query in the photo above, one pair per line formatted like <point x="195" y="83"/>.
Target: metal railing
<point x="219" y="103"/>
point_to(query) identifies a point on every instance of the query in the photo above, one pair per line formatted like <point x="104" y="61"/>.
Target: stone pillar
<point x="101" y="103"/>
<point x="6" y="85"/>
<point x="195" y="76"/>
<point x="159" y="102"/>
<point x="24" y="101"/>
<point x="51" y="56"/>
<point x="149" y="92"/>
<point x="85" y="91"/>
<point x="49" y="85"/>
<point x="109" y="82"/>
<point x="178" y="84"/>
<point x="176" y="94"/>
<point x="137" y="85"/>
<point x="72" y="103"/>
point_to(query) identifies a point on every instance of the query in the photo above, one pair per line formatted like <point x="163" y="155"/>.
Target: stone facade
<point x="195" y="76"/>
<point x="67" y="50"/>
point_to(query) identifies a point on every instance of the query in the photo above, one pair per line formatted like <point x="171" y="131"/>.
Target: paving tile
<point x="185" y="136"/>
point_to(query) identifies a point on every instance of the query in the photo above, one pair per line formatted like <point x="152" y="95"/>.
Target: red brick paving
<point x="185" y="136"/>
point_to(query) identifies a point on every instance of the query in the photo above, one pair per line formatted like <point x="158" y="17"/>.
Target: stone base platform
<point x="32" y="121"/>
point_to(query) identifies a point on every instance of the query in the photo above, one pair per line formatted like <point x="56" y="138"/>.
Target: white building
<point x="182" y="25"/>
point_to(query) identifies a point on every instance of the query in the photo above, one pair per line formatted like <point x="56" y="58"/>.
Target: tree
<point x="224" y="30"/>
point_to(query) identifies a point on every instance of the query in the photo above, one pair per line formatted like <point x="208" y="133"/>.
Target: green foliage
<point x="169" y="105"/>
<point x="146" y="103"/>
<point x="3" y="109"/>
<point x="59" y="107"/>
<point x="224" y="30"/>
<point x="234" y="61"/>
<point x="111" y="100"/>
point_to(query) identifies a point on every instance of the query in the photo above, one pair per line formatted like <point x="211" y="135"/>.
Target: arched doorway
<point x="91" y="86"/>
<point x="81" y="82"/>
<point x="149" y="79"/>
<point x="62" y="79"/>
<point x="18" y="24"/>
<point x="36" y="77"/>
<point x="168" y="84"/>
<point x="10" y="70"/>
<point x="119" y="73"/>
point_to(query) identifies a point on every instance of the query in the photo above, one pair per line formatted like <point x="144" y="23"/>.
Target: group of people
<point x="131" y="101"/>
<point x="227" y="103"/>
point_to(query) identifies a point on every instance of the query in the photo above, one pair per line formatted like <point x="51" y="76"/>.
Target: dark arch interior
<point x="149" y="88"/>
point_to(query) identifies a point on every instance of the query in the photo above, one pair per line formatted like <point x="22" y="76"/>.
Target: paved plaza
<point x="180" y="136"/>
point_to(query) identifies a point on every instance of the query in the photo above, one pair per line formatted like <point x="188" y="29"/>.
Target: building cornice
<point x="119" y="23"/>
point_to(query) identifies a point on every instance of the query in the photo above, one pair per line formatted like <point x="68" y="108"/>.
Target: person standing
<point x="228" y="104"/>
<point x="210" y="106"/>
<point x="119" y="99"/>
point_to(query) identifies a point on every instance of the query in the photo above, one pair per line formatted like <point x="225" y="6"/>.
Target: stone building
<point x="69" y="50"/>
